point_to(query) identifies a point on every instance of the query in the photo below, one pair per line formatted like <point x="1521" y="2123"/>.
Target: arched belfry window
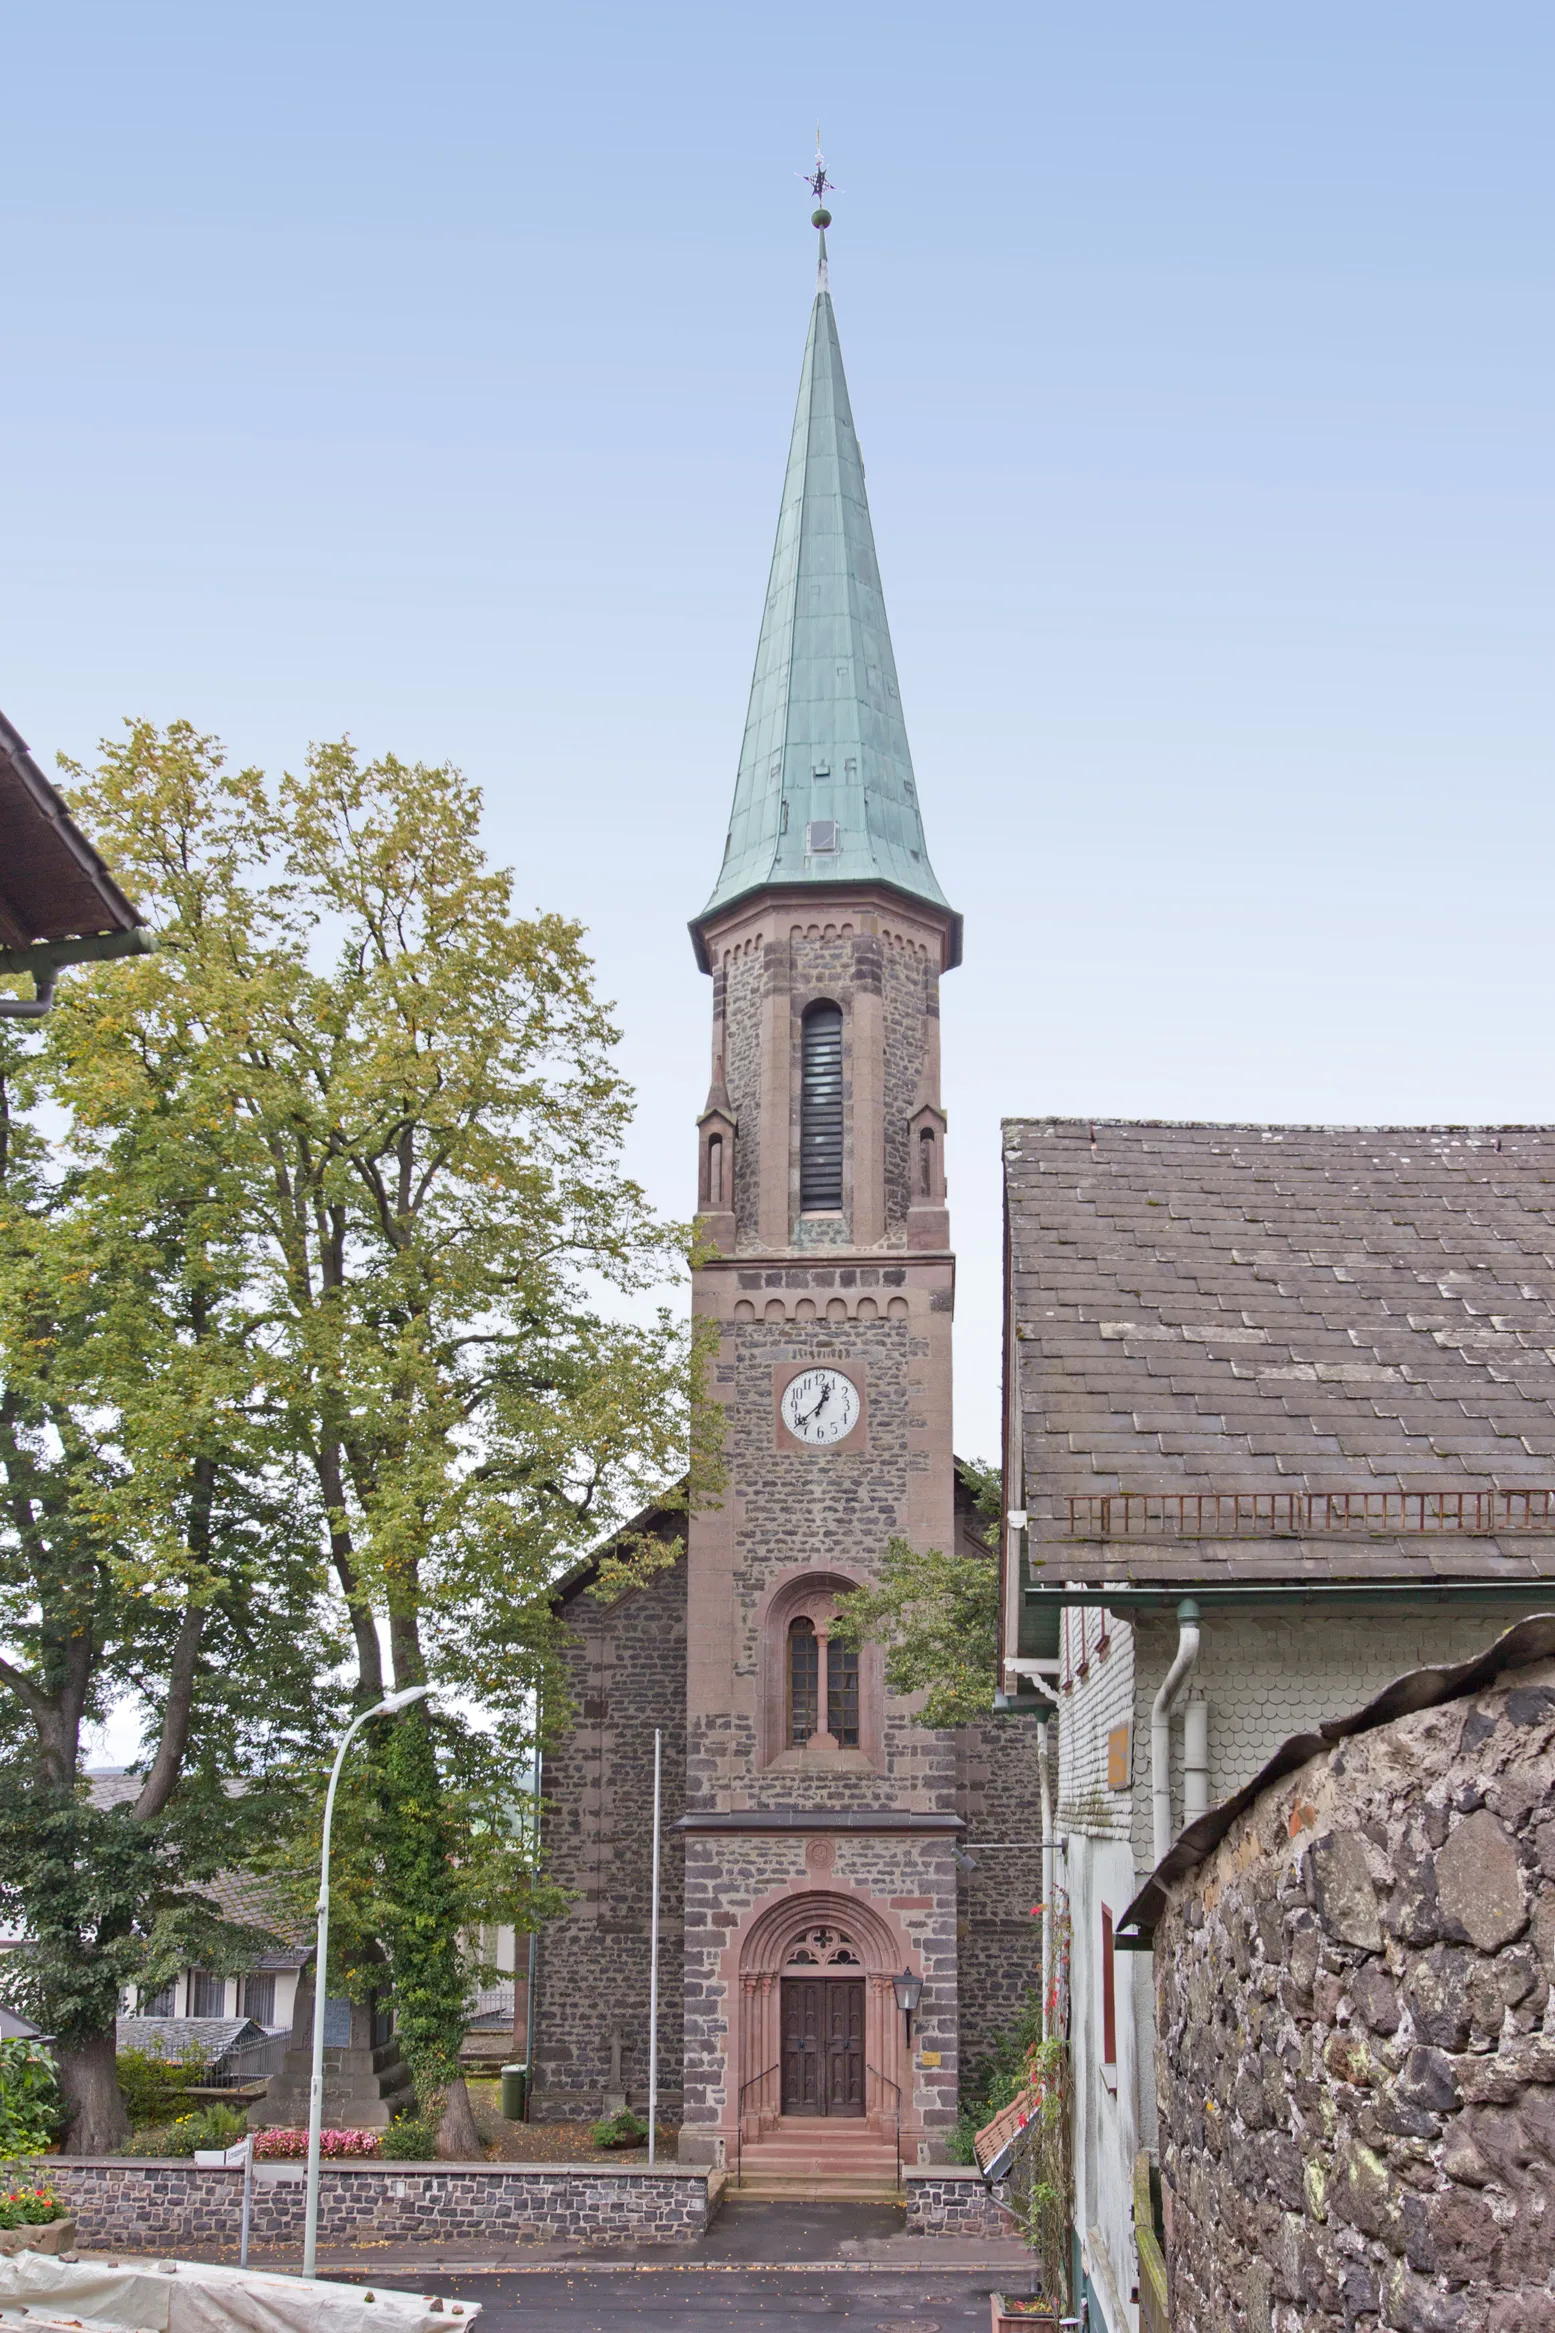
<point x="820" y="1111"/>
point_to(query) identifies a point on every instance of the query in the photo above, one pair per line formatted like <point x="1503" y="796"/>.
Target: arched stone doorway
<point x="819" y="2038"/>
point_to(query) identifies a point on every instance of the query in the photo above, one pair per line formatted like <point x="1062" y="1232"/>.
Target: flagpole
<point x="653" y="1960"/>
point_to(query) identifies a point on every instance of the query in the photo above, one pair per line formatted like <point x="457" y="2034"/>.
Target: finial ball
<point x="821" y="218"/>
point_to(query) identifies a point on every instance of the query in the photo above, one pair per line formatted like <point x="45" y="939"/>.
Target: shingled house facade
<point x="817" y="1832"/>
<point x="1280" y="1426"/>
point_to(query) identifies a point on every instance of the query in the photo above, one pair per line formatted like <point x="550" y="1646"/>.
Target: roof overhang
<point x="54" y="886"/>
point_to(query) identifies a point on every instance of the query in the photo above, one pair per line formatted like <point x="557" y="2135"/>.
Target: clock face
<point x="820" y="1406"/>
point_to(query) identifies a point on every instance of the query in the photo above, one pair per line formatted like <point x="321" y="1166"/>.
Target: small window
<point x="207" y="1994"/>
<point x="259" y="1996"/>
<point x="159" y="2003"/>
<point x="715" y="1170"/>
<point x="804" y="1678"/>
<point x="821" y="835"/>
<point x="820" y="1111"/>
<point x="842" y="1695"/>
<point x="926" y="1162"/>
<point x="1109" y="1995"/>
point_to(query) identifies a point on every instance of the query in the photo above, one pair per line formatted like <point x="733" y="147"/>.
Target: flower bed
<point x="283" y="2145"/>
<point x="29" y="2207"/>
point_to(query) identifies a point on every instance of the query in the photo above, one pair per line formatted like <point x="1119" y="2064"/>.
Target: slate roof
<point x="248" y="1899"/>
<point x="213" y="2038"/>
<point x="53" y="884"/>
<point x="1284" y="1312"/>
<point x="825" y="792"/>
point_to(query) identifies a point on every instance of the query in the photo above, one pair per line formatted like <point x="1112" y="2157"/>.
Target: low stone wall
<point x="147" y="2205"/>
<point x="946" y="2200"/>
<point x="1356" y="2037"/>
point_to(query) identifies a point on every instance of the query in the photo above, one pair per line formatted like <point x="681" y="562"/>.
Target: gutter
<point x="1530" y="1640"/>
<point x="1426" y="1589"/>
<point x="46" y="959"/>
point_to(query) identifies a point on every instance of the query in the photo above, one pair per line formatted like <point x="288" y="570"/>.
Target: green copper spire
<point x="825" y="791"/>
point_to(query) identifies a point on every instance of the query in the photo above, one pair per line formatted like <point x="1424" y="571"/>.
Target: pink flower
<point x="290" y="2144"/>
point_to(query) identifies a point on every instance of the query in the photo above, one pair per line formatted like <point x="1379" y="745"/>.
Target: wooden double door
<point x="823" y="2045"/>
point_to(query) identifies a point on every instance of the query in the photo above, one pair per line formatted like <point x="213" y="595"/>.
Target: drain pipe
<point x="1045" y="1779"/>
<point x="30" y="1008"/>
<point x="1161" y="1723"/>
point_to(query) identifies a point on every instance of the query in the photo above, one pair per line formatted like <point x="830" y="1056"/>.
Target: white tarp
<point x="191" y="2296"/>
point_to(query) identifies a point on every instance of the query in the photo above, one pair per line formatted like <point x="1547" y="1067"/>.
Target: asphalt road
<point x="785" y="2268"/>
<point x="692" y="2300"/>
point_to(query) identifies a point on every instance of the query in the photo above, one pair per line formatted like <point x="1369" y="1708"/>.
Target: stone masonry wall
<point x="839" y="962"/>
<point x="160" y="2206"/>
<point x="817" y="1511"/>
<point x="1000" y="1943"/>
<point x="741" y="999"/>
<point x="1356" y="2054"/>
<point x="951" y="2202"/>
<point x="628" y="1675"/>
<point x="727" y="1877"/>
<point x="908" y="986"/>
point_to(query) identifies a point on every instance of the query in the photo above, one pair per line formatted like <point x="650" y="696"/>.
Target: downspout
<point x="1161" y="1723"/>
<point x="1047" y="1880"/>
<point x="32" y="1008"/>
<point x="46" y="959"/>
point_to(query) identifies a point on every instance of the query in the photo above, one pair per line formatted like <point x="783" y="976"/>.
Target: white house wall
<point x="1098" y="1868"/>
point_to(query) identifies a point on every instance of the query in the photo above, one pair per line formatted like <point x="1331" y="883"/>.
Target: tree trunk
<point x="458" y="2141"/>
<point x="89" y="2089"/>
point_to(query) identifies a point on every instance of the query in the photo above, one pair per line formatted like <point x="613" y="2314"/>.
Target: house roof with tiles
<point x="1278" y="1354"/>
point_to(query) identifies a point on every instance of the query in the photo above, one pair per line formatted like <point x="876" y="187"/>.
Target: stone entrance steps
<point x="813" y="2163"/>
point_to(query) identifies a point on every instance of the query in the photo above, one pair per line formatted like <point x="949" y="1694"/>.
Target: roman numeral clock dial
<point x="820" y="1407"/>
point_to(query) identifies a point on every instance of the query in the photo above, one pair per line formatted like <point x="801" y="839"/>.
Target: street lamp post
<point x="385" y="1708"/>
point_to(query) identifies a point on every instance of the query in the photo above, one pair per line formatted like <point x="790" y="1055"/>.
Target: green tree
<point x="416" y="1087"/>
<point x="151" y="1552"/>
<point x="937" y="1617"/>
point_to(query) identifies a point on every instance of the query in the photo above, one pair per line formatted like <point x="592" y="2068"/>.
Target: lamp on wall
<point x="907" y="1987"/>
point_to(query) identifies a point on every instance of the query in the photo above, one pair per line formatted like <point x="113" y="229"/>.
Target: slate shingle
<point x="1211" y="1307"/>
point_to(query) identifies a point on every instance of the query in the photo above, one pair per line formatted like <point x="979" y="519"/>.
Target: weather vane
<point x="820" y="185"/>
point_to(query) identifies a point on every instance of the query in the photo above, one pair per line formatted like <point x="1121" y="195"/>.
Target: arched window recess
<point x="820" y="1697"/>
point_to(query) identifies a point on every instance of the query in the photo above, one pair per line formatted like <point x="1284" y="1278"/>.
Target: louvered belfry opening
<point x="820" y="1111"/>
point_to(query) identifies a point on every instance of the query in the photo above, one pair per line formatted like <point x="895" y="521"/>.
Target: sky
<point x="426" y="373"/>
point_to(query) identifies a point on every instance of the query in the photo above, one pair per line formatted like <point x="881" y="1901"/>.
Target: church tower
<point x="820" y="1821"/>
